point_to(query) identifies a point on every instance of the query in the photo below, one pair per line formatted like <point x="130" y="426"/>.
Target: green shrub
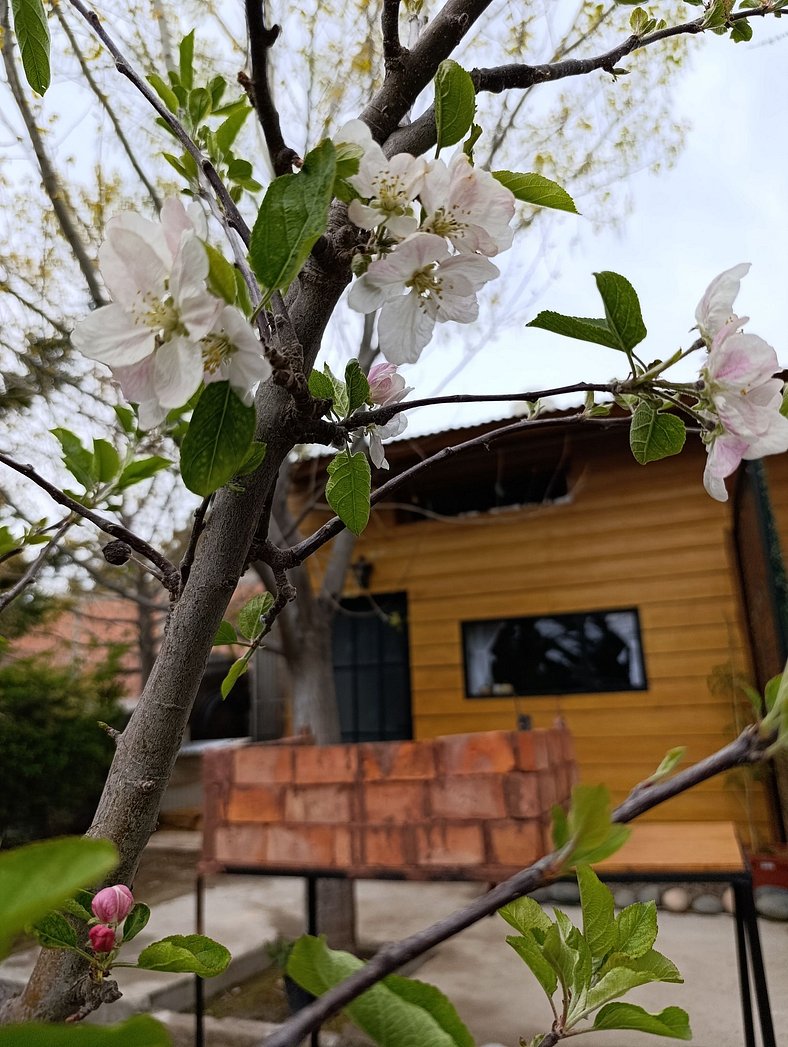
<point x="54" y="757"/>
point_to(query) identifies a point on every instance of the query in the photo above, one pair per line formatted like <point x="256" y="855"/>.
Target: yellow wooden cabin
<point x="551" y="575"/>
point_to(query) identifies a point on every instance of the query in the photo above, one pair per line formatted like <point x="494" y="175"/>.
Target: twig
<point x="35" y="566"/>
<point x="299" y="552"/>
<point x="261" y="40"/>
<point x="123" y="66"/>
<point x="194" y="537"/>
<point x="169" y="576"/>
<point x="747" y="748"/>
<point x="389" y="27"/>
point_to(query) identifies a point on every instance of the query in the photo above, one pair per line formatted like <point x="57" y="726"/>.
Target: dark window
<point x="371" y="668"/>
<point x="212" y="717"/>
<point x="554" y="654"/>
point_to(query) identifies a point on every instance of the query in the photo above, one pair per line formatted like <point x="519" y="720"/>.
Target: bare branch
<point x="234" y="217"/>
<point x="389" y="26"/>
<point x="261" y="40"/>
<point x="50" y="180"/>
<point x="748" y="748"/>
<point x="35" y="566"/>
<point x="194" y="537"/>
<point x="108" y="109"/>
<point x="169" y="576"/>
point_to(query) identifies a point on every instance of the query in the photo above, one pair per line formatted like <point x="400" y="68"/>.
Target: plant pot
<point x="770" y="868"/>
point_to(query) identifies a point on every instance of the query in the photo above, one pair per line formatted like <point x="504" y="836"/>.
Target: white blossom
<point x="390" y="186"/>
<point x="715" y="309"/>
<point x="467" y="206"/>
<point x="418" y="284"/>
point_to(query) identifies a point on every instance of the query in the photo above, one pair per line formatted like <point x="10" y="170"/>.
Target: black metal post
<point x="741" y="957"/>
<point x="199" y="997"/>
<point x="756" y="959"/>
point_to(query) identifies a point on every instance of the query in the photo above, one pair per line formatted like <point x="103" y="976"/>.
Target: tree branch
<point x="194" y="537"/>
<point x="261" y="40"/>
<point x="169" y="573"/>
<point x="389" y="27"/>
<point x="52" y="184"/>
<point x="748" y="748"/>
<point x="105" y="104"/>
<point x="298" y="553"/>
<point x="123" y="66"/>
<point x="9" y="595"/>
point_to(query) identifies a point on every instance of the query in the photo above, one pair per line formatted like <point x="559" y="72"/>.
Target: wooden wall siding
<point x="628" y="536"/>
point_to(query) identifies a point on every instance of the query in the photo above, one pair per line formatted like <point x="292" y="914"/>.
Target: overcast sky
<point x="724" y="202"/>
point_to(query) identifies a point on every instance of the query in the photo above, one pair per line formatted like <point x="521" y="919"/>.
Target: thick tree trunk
<point x="314" y="703"/>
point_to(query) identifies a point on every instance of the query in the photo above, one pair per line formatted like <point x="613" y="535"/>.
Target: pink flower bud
<point x="113" y="904"/>
<point x="385" y="385"/>
<point x="102" y="938"/>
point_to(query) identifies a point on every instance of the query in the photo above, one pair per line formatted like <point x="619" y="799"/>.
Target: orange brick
<point x="394" y="802"/>
<point x="346" y="847"/>
<point x="532" y="751"/>
<point x="555" y="748"/>
<point x="260" y="764"/>
<point x="315" y="764"/>
<point x="262" y="803"/>
<point x="319" y="803"/>
<point x="310" y="846"/>
<point x="397" y="760"/>
<point x="488" y="752"/>
<point x="567" y="745"/>
<point x="549" y="788"/>
<point x="467" y="796"/>
<point x="449" y="845"/>
<point x="522" y="795"/>
<point x="241" y="845"/>
<point x="515" y="843"/>
<point x="385" y="847"/>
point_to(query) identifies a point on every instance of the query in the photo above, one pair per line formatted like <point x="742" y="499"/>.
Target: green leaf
<point x="227" y="131"/>
<point x="164" y="91"/>
<point x="53" y="931"/>
<point x="234" y="674"/>
<point x="599" y="924"/>
<point x="530" y="952"/>
<point x="106" y="460"/>
<point x="292" y="216"/>
<point x="526" y="915"/>
<point x="560" y="827"/>
<point x="142" y="469"/>
<point x="40" y="876"/>
<point x="136" y="921"/>
<point x="621" y="328"/>
<point x="199" y="105"/>
<point x="76" y="458"/>
<point x="672" y="1022"/>
<point x="254" y="458"/>
<point x="339" y="393"/>
<point x="185" y="954"/>
<point x="537" y="190"/>
<point x="455" y="103"/>
<point x="140" y="1031"/>
<point x="74" y="908"/>
<point x="348" y="489"/>
<point x="186" y="61"/>
<point x="357" y="386"/>
<point x="636" y="929"/>
<point x="127" y="419"/>
<point x="225" y="634"/>
<point x="622" y="309"/>
<point x="741" y="31"/>
<point x="654" y="434"/>
<point x="651" y="964"/>
<point x="397" y="1012"/>
<point x="321" y="386"/>
<point x="218" y="440"/>
<point x="249" y="616"/>
<point x="593" y="835"/>
<point x="32" y="35"/>
<point x="221" y="275"/>
<point x="668" y="763"/>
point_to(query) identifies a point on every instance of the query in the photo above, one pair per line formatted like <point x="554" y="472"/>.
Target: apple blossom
<point x="715" y="309"/>
<point x="467" y="206"/>
<point x="378" y="433"/>
<point x="742" y="398"/>
<point x="418" y="284"/>
<point x="386" y="386"/>
<point x="231" y="353"/>
<point x="102" y="938"/>
<point x="390" y="186"/>
<point x="113" y="904"/>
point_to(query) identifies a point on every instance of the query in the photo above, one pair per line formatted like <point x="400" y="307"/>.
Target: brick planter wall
<point x="466" y="806"/>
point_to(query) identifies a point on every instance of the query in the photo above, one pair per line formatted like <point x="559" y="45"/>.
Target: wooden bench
<point x="700" y="852"/>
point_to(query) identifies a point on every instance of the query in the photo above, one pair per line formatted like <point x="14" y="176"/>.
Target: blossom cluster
<point x="110" y="906"/>
<point x="741" y="399"/>
<point x="164" y="332"/>
<point x="433" y="229"/>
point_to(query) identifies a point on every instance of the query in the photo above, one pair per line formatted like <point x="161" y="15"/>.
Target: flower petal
<point x="404" y="328"/>
<point x="109" y="334"/>
<point x="178" y="372"/>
